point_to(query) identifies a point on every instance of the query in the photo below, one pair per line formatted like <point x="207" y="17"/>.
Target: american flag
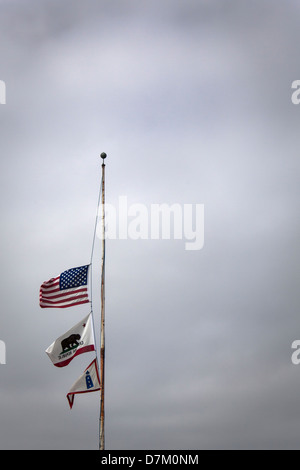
<point x="66" y="290"/>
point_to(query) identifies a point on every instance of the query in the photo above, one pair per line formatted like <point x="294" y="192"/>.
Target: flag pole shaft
<point x="102" y="332"/>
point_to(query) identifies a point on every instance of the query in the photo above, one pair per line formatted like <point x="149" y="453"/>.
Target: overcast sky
<point x="191" y="100"/>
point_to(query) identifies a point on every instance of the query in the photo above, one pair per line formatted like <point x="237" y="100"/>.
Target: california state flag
<point x="88" y="382"/>
<point x="77" y="340"/>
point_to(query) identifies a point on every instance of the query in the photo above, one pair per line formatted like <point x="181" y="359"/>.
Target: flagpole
<point x="102" y="333"/>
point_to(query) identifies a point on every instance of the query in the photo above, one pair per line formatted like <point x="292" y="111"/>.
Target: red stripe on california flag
<point x="85" y="349"/>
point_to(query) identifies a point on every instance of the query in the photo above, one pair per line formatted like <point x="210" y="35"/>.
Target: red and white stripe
<point x="51" y="296"/>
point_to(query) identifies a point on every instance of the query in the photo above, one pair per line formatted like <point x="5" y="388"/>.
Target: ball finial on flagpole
<point x="103" y="156"/>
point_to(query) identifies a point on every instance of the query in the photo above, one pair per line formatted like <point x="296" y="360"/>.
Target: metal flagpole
<point x="102" y="334"/>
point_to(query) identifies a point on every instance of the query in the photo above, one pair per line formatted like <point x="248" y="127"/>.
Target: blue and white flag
<point x="89" y="381"/>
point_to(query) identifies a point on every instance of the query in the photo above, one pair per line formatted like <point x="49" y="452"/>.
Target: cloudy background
<point x="191" y="100"/>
